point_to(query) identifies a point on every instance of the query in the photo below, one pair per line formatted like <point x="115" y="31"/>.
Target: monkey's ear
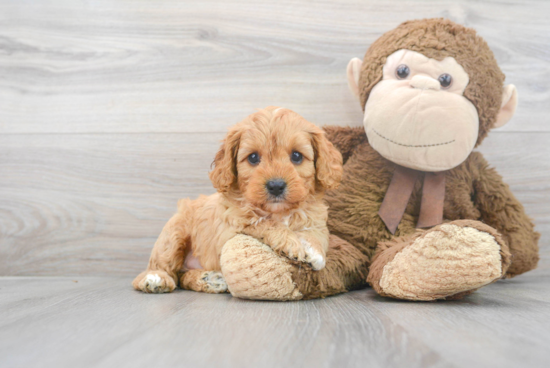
<point x="353" y="72"/>
<point x="509" y="105"/>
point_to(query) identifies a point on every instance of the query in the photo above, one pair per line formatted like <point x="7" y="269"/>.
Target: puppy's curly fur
<point x="292" y="222"/>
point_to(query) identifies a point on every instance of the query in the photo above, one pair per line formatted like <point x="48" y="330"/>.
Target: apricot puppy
<point x="271" y="173"/>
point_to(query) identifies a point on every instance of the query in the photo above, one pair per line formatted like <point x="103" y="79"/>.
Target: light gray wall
<point x="112" y="110"/>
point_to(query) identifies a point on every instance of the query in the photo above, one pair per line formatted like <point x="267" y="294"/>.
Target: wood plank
<point x="53" y="321"/>
<point x="172" y="66"/>
<point x="89" y="204"/>
<point x="93" y="204"/>
<point x="500" y="324"/>
<point x="111" y="111"/>
<point x="188" y="328"/>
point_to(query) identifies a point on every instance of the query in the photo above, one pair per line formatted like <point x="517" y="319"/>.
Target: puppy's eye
<point x="402" y="71"/>
<point x="445" y="80"/>
<point x="296" y="158"/>
<point x="254" y="158"/>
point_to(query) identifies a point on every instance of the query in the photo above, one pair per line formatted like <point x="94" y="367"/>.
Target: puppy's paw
<point x="214" y="282"/>
<point x="302" y="250"/>
<point x="293" y="249"/>
<point x="313" y="256"/>
<point x="156" y="282"/>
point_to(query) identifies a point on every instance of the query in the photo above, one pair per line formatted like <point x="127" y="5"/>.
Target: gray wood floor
<point x="111" y="110"/>
<point x="101" y="322"/>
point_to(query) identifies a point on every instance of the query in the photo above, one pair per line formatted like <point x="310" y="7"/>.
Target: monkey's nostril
<point x="275" y="187"/>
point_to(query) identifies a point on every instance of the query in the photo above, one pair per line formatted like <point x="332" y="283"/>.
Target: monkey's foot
<point x="446" y="262"/>
<point x="254" y="271"/>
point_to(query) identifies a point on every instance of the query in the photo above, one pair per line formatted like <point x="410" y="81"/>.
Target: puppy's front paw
<point x="313" y="256"/>
<point x="293" y="249"/>
<point x="155" y="282"/>
<point x="302" y="250"/>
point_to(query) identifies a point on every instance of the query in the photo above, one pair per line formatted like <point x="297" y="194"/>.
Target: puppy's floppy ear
<point x="328" y="161"/>
<point x="224" y="174"/>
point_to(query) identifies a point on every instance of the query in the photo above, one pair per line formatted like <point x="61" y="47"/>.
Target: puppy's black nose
<point x="276" y="187"/>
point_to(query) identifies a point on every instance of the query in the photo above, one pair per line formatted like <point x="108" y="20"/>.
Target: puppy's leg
<point x="156" y="282"/>
<point x="315" y="243"/>
<point x="305" y="248"/>
<point x="206" y="281"/>
<point x="166" y="259"/>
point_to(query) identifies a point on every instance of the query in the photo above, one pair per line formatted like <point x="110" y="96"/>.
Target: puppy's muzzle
<point x="276" y="187"/>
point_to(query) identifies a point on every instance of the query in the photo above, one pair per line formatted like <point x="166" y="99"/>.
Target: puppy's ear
<point x="224" y="174"/>
<point x="328" y="161"/>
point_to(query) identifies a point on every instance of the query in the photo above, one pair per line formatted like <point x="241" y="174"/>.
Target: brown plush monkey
<point x="422" y="211"/>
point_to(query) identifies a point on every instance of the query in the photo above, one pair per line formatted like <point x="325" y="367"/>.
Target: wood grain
<point x="93" y="203"/>
<point x="89" y="204"/>
<point x="101" y="322"/>
<point x="112" y="110"/>
<point x="197" y="66"/>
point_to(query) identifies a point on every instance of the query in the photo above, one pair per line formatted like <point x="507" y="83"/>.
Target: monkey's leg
<point x="166" y="259"/>
<point x="206" y="281"/>
<point x="447" y="262"/>
<point x="254" y="271"/>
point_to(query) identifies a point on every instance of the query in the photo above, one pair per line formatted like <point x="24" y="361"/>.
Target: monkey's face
<point x="417" y="116"/>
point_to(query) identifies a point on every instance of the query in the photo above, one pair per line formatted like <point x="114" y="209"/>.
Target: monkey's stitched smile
<point x="412" y="145"/>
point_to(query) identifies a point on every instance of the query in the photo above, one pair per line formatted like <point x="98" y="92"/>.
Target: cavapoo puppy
<point x="270" y="172"/>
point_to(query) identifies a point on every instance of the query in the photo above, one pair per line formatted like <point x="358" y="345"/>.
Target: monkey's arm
<point x="501" y="210"/>
<point x="345" y="139"/>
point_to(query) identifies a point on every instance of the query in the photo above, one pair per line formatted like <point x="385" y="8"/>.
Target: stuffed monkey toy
<point x="419" y="215"/>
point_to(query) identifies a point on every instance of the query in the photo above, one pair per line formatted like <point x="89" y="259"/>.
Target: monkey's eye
<point x="445" y="80"/>
<point x="254" y="158"/>
<point x="402" y="71"/>
<point x="296" y="158"/>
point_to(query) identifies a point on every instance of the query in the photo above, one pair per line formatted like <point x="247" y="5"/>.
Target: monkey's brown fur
<point x="474" y="191"/>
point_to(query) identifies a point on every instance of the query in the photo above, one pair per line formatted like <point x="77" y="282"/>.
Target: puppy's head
<point x="275" y="159"/>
